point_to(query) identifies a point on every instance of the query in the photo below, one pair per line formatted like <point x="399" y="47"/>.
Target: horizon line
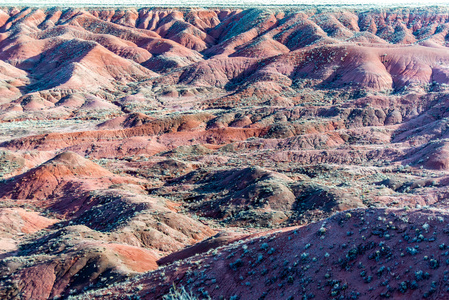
<point x="221" y="3"/>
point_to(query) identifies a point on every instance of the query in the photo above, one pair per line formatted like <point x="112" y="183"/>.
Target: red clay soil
<point x="67" y="176"/>
<point x="141" y="148"/>
<point x="363" y="254"/>
<point x="16" y="223"/>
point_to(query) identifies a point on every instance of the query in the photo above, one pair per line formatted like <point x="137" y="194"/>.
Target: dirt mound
<point x="257" y="197"/>
<point x="241" y="195"/>
<point x="15" y="223"/>
<point x="120" y="235"/>
<point x="141" y="221"/>
<point x="68" y="261"/>
<point x="43" y="181"/>
<point x="131" y="120"/>
<point x="360" y="253"/>
<point x="16" y="220"/>
<point x="61" y="184"/>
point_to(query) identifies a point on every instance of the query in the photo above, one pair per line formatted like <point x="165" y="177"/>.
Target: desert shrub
<point x="179" y="293"/>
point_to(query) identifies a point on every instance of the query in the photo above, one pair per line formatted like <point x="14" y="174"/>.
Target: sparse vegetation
<point x="264" y="153"/>
<point x="179" y="293"/>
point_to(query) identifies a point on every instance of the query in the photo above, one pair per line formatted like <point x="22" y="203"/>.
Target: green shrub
<point x="179" y="293"/>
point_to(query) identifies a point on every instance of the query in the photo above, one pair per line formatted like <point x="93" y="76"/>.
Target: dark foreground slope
<point x="359" y="254"/>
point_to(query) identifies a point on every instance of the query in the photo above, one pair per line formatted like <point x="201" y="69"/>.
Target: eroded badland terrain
<point x="284" y="153"/>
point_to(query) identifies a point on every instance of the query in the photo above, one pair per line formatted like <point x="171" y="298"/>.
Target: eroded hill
<point x="133" y="139"/>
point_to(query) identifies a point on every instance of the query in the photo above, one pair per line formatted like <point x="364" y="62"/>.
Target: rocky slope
<point x="360" y="254"/>
<point x="133" y="139"/>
